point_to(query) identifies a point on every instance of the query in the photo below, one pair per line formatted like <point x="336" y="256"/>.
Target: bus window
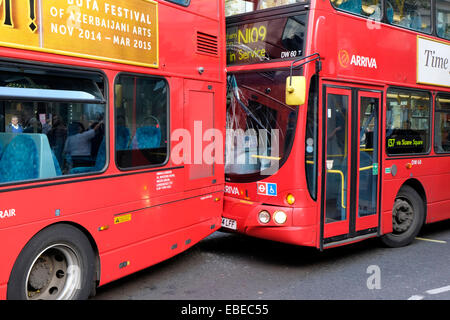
<point x="182" y="2"/>
<point x="233" y="7"/>
<point x="368" y="8"/>
<point x="442" y="124"/>
<point x="408" y="122"/>
<point x="443" y="18"/>
<point x="52" y="124"/>
<point x="311" y="138"/>
<point x="411" y="14"/>
<point x="141" y="121"/>
<point x="260" y="127"/>
<point x="280" y="38"/>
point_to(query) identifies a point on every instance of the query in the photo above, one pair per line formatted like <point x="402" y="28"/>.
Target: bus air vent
<point x="207" y="44"/>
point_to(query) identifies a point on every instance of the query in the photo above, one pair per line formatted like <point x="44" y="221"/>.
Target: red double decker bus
<point x="95" y="98"/>
<point x="355" y="144"/>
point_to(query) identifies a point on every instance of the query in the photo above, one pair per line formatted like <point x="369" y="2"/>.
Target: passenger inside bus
<point x="78" y="147"/>
<point x="445" y="143"/>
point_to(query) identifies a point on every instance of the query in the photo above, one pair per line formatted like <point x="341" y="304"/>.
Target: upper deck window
<point x="443" y="18"/>
<point x="272" y="39"/>
<point x="233" y="7"/>
<point x="182" y="2"/>
<point x="367" y="8"/>
<point x="411" y="14"/>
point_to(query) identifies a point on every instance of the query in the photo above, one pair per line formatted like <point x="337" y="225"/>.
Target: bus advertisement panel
<point x="97" y="29"/>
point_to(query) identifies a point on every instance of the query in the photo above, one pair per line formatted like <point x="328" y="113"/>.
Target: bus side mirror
<point x="295" y="90"/>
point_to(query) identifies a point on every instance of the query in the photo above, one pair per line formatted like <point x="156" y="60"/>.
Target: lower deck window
<point x="141" y="121"/>
<point x="408" y="122"/>
<point x="51" y="124"/>
<point x="442" y="124"/>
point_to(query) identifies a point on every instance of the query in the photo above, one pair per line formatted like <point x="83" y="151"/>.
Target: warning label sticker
<point x="164" y="180"/>
<point x="122" y="218"/>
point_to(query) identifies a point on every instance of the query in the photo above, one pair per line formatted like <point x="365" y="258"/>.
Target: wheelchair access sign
<point x="266" y="188"/>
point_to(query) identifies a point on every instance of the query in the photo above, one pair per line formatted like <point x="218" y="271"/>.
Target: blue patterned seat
<point x="354" y="6"/>
<point x="148" y="137"/>
<point x="20" y="160"/>
<point x="122" y="138"/>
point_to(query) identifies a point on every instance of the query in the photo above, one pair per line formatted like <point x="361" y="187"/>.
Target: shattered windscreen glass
<point x="260" y="126"/>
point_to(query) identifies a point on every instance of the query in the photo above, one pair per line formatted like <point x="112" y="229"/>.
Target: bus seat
<point x="148" y="137"/>
<point x="416" y="21"/>
<point x="46" y="166"/>
<point x="441" y="30"/>
<point x="354" y="6"/>
<point x="56" y="164"/>
<point x="99" y="161"/>
<point x="20" y="160"/>
<point x="389" y="12"/>
<point x="122" y="138"/>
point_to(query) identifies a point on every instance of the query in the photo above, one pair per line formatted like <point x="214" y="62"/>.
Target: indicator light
<point x="290" y="199"/>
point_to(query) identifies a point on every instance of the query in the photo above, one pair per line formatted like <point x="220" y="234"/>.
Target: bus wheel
<point x="407" y="218"/>
<point x="58" y="263"/>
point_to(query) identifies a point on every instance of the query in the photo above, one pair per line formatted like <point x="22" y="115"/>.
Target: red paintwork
<point x="160" y="219"/>
<point x="394" y="49"/>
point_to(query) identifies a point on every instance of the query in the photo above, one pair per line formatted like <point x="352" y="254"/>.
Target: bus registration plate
<point x="229" y="223"/>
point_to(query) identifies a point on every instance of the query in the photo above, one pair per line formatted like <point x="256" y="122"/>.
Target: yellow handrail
<point x="342" y="186"/>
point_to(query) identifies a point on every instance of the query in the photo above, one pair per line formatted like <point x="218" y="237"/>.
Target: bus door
<point x="350" y="176"/>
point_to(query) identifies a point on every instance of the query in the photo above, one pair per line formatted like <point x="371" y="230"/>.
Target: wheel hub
<point x="403" y="216"/>
<point x="40" y="274"/>
<point x="54" y="275"/>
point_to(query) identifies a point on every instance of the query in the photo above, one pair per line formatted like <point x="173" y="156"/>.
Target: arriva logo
<point x="343" y="58"/>
<point x="356" y="60"/>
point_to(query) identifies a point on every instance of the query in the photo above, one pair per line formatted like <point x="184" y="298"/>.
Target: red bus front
<point x="359" y="157"/>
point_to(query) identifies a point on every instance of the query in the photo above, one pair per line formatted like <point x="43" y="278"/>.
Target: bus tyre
<point x="57" y="263"/>
<point x="407" y="218"/>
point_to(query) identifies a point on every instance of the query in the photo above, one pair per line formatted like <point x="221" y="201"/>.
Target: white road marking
<point x="431" y="292"/>
<point x="439" y="290"/>
<point x="416" y="297"/>
<point x="431" y="240"/>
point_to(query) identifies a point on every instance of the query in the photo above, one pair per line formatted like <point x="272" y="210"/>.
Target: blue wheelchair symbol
<point x="272" y="189"/>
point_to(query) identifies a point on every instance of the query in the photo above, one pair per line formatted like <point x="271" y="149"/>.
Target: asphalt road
<point x="228" y="266"/>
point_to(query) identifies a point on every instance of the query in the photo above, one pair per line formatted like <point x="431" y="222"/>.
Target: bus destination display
<point x="274" y="39"/>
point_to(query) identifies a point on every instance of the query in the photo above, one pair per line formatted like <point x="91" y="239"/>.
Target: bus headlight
<point x="264" y="217"/>
<point x="279" y="217"/>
